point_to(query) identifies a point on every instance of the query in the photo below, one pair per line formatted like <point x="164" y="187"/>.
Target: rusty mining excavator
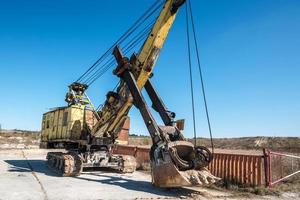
<point x="175" y="161"/>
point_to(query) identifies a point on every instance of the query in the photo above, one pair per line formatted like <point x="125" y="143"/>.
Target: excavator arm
<point x="118" y="104"/>
<point x="174" y="161"/>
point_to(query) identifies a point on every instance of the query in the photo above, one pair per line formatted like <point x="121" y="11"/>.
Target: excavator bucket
<point x="178" y="165"/>
<point x="167" y="175"/>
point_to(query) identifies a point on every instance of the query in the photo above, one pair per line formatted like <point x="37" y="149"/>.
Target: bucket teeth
<point x="168" y="175"/>
<point x="177" y="165"/>
<point x="200" y="177"/>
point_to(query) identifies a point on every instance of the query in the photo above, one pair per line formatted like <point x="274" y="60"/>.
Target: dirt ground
<point x="24" y="175"/>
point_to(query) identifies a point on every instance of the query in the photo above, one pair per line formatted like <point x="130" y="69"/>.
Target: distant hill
<point x="30" y="139"/>
<point x="286" y="144"/>
<point x="19" y="139"/>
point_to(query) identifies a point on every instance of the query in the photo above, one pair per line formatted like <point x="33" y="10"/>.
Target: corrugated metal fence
<point x="140" y="153"/>
<point x="241" y="169"/>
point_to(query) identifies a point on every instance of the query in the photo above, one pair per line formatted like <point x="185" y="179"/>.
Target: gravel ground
<point x="24" y="175"/>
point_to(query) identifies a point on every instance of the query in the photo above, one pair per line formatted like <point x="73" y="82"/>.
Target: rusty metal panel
<point x="242" y="169"/>
<point x="218" y="173"/>
<point x="235" y="168"/>
<point x="259" y="171"/>
<point x="222" y="166"/>
<point x="124" y="133"/>
<point x="142" y="157"/>
<point x="246" y="164"/>
<point x="90" y="118"/>
<point x="234" y="171"/>
<point x="124" y="150"/>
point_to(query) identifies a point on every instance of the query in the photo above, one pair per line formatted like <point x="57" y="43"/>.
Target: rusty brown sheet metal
<point x="238" y="168"/>
<point x="242" y="169"/>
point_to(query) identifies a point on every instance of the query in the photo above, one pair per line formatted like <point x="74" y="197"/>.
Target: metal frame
<point x="158" y="105"/>
<point x="268" y="166"/>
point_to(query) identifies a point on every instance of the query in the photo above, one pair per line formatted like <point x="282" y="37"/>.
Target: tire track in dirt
<point x="35" y="176"/>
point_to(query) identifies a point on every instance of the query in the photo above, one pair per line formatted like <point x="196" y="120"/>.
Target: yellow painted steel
<point x="155" y="39"/>
<point x="65" y="123"/>
<point x="112" y="119"/>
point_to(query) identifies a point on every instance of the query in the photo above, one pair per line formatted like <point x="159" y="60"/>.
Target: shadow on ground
<point x="142" y="186"/>
<point x="105" y="177"/>
<point x="39" y="166"/>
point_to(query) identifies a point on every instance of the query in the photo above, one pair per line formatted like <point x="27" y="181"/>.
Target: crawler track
<point x="65" y="164"/>
<point x="71" y="164"/>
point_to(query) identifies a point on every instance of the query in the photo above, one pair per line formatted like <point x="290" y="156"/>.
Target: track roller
<point x="65" y="164"/>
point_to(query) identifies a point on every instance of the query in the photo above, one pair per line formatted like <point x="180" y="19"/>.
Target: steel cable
<point x="149" y="12"/>
<point x="133" y="41"/>
<point x="122" y="38"/>
<point x="201" y="74"/>
<point x="111" y="64"/>
<point x="190" y="73"/>
<point x="127" y="48"/>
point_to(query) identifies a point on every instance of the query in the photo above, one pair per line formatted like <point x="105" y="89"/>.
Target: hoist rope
<point x="127" y="48"/>
<point x="149" y="12"/>
<point x="201" y="75"/>
<point x="190" y="73"/>
<point x="122" y="38"/>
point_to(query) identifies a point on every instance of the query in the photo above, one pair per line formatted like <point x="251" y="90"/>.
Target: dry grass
<point x="140" y="141"/>
<point x="19" y="139"/>
<point x="290" y="186"/>
<point x="285" y="144"/>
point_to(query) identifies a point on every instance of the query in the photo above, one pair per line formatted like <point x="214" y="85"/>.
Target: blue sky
<point x="249" y="54"/>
